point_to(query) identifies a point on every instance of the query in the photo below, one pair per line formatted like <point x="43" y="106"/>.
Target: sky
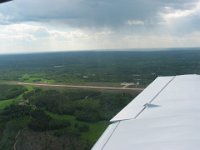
<point x="68" y="25"/>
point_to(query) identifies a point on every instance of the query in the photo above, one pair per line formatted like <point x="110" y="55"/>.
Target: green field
<point x="35" y="78"/>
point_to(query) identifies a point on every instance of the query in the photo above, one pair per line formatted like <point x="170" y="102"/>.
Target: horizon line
<point x="107" y="50"/>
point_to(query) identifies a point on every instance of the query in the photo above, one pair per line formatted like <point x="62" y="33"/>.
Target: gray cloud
<point x="98" y="24"/>
<point x="87" y="12"/>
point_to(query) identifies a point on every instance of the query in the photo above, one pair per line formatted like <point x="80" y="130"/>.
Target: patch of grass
<point x="35" y="78"/>
<point x="5" y="103"/>
<point x="10" y="91"/>
<point x="29" y="88"/>
<point x="96" y="129"/>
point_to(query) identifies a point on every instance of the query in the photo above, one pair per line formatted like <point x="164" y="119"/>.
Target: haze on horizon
<point x="35" y="26"/>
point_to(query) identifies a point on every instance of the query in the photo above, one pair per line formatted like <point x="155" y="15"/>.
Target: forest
<point x="111" y="67"/>
<point x="73" y="118"/>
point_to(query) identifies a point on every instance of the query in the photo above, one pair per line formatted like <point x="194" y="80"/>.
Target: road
<point x="77" y="86"/>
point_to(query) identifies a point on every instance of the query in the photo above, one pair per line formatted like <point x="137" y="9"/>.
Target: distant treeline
<point x="117" y="67"/>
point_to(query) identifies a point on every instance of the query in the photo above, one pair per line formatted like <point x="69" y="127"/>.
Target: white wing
<point x="165" y="116"/>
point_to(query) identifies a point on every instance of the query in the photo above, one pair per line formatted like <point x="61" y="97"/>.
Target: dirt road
<point x="77" y="86"/>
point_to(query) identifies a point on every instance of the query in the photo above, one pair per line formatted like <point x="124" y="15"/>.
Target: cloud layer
<point x="28" y="25"/>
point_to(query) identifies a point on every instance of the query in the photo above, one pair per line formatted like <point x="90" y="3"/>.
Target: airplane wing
<point x="165" y="116"/>
<point x="3" y="1"/>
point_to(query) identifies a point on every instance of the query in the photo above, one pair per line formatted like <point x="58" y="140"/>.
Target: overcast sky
<point x="58" y="25"/>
